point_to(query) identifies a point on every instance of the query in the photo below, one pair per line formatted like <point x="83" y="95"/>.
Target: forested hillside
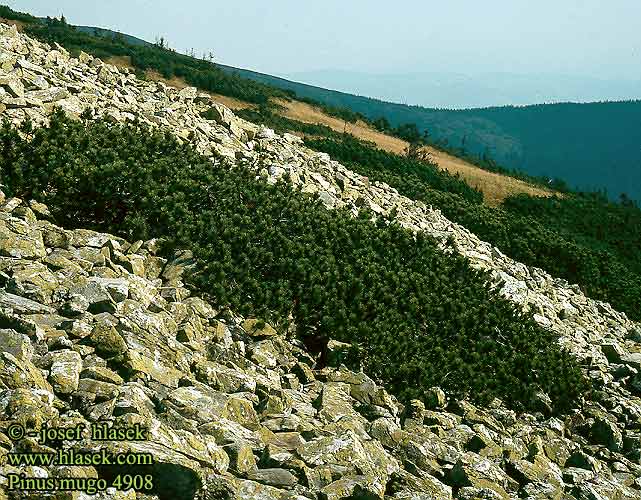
<point x="582" y="238"/>
<point x="540" y="140"/>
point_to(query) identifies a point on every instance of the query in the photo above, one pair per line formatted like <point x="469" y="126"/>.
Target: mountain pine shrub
<point x="583" y="238"/>
<point x="414" y="316"/>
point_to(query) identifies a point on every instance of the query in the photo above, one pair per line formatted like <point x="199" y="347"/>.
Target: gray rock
<point x="605" y="431"/>
<point x="12" y="83"/>
<point x="21" y="246"/>
<point x="102" y="390"/>
<point x="96" y="294"/>
<point x="21" y="305"/>
<point x="102" y="374"/>
<point x="107" y="341"/>
<point x="64" y="373"/>
<point x="17" y="344"/>
<point x="279" y="478"/>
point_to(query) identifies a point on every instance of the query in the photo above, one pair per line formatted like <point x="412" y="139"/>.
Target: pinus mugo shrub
<point x="416" y="317"/>
<point x="585" y="239"/>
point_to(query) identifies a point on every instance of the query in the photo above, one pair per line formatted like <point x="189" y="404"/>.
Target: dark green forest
<point x="272" y="251"/>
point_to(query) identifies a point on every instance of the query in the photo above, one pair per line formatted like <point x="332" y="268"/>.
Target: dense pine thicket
<point x="414" y="179"/>
<point x="415" y="316"/>
<point x="7" y="13"/>
<point x="583" y="238"/>
<point x="589" y="217"/>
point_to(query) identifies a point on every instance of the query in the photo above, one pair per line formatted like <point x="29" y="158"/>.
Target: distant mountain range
<point x="459" y="91"/>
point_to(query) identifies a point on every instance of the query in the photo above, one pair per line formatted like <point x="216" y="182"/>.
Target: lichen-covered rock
<point x="16" y="344"/>
<point x="279" y="478"/>
<point x="258" y="328"/>
<point x="20" y="373"/>
<point x="64" y="373"/>
<point x="107" y="341"/>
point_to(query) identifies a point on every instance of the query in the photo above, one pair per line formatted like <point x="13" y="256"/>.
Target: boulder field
<point x="98" y="330"/>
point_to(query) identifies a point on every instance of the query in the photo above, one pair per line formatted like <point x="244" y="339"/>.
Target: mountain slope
<point x="495" y="186"/>
<point x="587" y="248"/>
<point x="540" y="140"/>
<point x="97" y="328"/>
<point x="547" y="139"/>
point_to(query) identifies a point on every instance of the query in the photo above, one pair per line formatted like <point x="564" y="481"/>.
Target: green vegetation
<point x="271" y="251"/>
<point x="591" y="145"/>
<point x="7" y="13"/>
<point x="583" y="238"/>
<point x="200" y="73"/>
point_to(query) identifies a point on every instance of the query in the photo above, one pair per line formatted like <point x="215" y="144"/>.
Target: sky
<point x="591" y="38"/>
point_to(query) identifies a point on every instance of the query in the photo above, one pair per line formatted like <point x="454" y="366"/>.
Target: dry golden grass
<point x="174" y="81"/>
<point x="232" y="102"/>
<point x="120" y="62"/>
<point x="495" y="187"/>
<point x="18" y="24"/>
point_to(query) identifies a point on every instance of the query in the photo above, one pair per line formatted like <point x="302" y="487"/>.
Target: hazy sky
<point x="595" y="38"/>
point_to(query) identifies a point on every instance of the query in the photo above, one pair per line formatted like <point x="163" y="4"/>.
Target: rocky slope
<point x="97" y="329"/>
